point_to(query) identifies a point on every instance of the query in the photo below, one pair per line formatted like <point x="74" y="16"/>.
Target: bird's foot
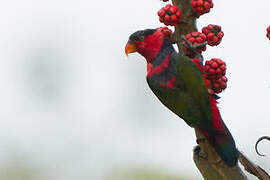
<point x="199" y="152"/>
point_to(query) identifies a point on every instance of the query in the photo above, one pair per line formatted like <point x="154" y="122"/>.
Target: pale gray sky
<point x="73" y="103"/>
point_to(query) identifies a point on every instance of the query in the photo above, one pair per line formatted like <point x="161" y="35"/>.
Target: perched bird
<point x="179" y="84"/>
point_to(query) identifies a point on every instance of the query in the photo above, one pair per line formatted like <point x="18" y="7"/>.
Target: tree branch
<point x="210" y="164"/>
<point x="206" y="159"/>
<point x="253" y="168"/>
<point x="187" y="25"/>
<point x="212" y="167"/>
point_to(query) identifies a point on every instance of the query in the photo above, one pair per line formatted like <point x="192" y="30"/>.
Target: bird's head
<point x="147" y="42"/>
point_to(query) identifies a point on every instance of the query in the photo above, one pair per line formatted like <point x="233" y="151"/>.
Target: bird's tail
<point x="221" y="138"/>
<point x="226" y="149"/>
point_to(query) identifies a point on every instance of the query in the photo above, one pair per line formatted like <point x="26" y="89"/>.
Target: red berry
<point x="224" y="79"/>
<point x="223" y="85"/>
<point x="220" y="35"/>
<point x="211" y="71"/>
<point x="218" y="27"/>
<point x="188" y="36"/>
<point x="174" y="18"/>
<point x="167" y="18"/>
<point x="200" y="3"/>
<point x="268" y="29"/>
<point x="210" y="35"/>
<point x="268" y="32"/>
<point x="210" y="26"/>
<point x="195" y="33"/>
<point x="219" y="71"/>
<point x="173" y="9"/>
<point x="207" y="5"/>
<point x="161" y="13"/>
<point x="193" y="3"/>
<point x="223" y="67"/>
<point x="199" y="40"/>
<point x="167" y="7"/>
<point x="166" y="31"/>
<point x="215" y="39"/>
<point x="215" y="69"/>
<point x="203" y="36"/>
<point x="214" y="65"/>
<point x="219" y="85"/>
<point x="192" y="40"/>
<point x="170" y="15"/>
<point x="179" y="13"/>
<point x="201" y="7"/>
<point x="213" y="33"/>
<point x="205" y="30"/>
<point x="195" y="38"/>
<point x="215" y="85"/>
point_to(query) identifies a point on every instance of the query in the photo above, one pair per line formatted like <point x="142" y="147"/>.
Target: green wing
<point x="179" y="102"/>
<point x="194" y="85"/>
<point x="190" y="100"/>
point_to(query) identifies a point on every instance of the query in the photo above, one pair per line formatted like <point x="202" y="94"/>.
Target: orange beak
<point x="130" y="48"/>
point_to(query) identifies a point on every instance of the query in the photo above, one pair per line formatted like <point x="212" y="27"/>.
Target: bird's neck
<point x="161" y="62"/>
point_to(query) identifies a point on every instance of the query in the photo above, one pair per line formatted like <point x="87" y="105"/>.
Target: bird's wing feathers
<point x="190" y="99"/>
<point x="194" y="85"/>
<point x="179" y="102"/>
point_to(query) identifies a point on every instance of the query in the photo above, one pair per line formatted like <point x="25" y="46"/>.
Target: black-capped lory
<point x="179" y="84"/>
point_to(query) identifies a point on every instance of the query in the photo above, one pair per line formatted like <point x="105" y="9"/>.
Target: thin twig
<point x="253" y="168"/>
<point x="259" y="140"/>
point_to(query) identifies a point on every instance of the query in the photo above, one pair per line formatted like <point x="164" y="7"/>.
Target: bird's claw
<point x="198" y="151"/>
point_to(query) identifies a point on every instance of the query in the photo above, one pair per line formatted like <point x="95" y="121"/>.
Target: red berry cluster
<point x="195" y="38"/>
<point x="166" y="31"/>
<point x="170" y="15"/>
<point x="213" y="33"/>
<point x="215" y="70"/>
<point x="268" y="32"/>
<point x="201" y="7"/>
<point x="219" y="85"/>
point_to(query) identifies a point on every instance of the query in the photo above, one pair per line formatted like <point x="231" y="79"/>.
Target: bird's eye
<point x="141" y="38"/>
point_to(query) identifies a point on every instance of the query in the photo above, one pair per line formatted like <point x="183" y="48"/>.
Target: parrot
<point x="179" y="84"/>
